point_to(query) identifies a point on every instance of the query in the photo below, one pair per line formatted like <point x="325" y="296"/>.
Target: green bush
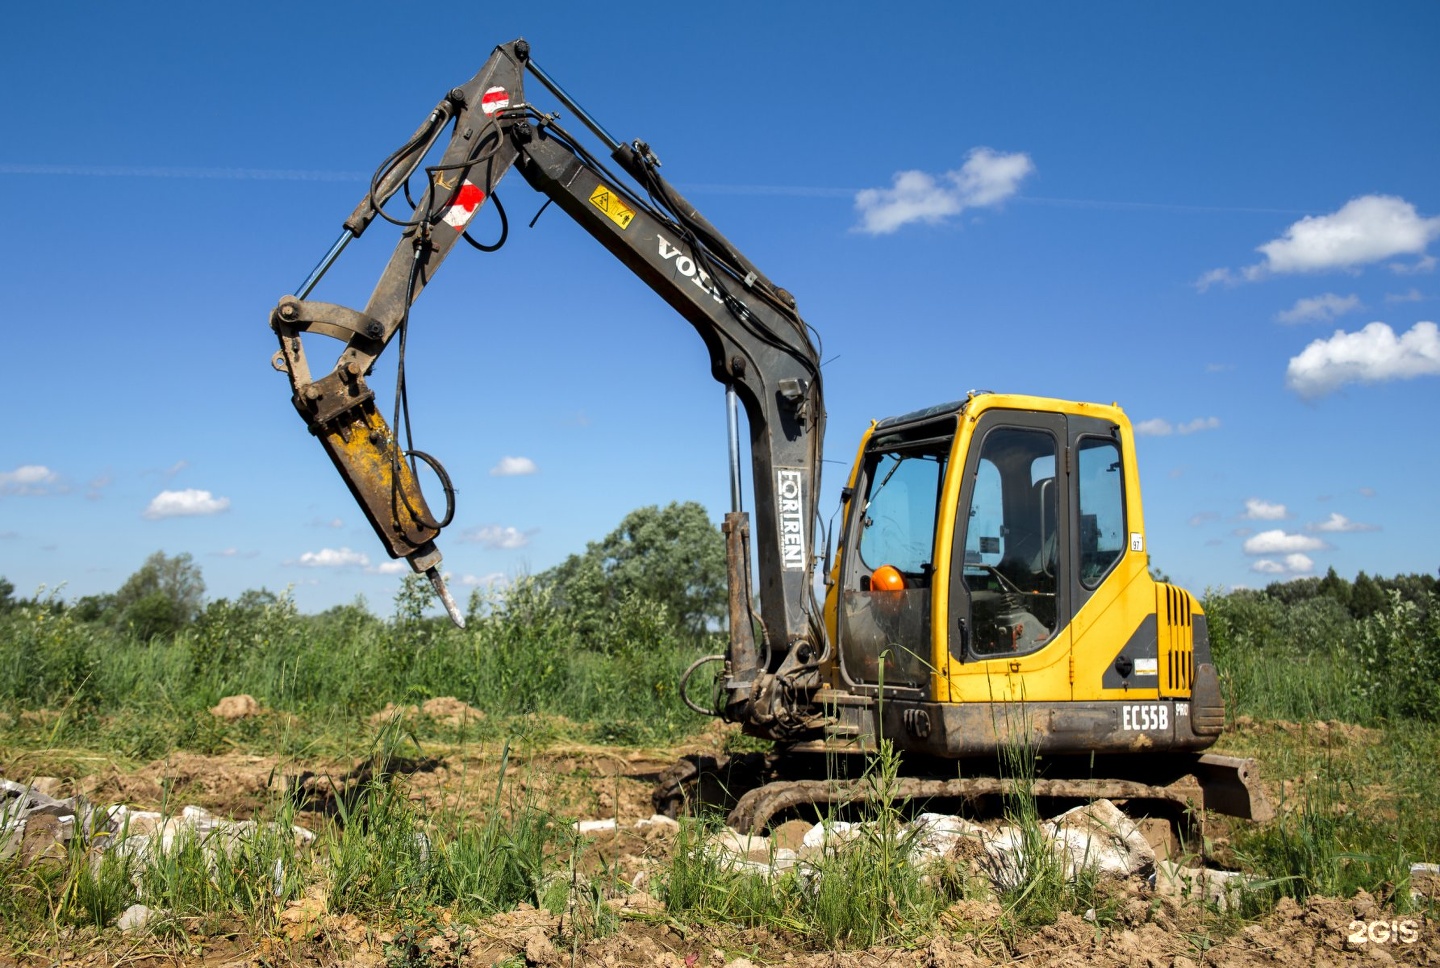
<point x="1300" y="653"/>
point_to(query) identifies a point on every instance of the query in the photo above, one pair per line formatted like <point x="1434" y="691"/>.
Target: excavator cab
<point x="1014" y="523"/>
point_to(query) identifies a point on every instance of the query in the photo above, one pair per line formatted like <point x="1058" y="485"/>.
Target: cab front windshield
<point x="898" y="526"/>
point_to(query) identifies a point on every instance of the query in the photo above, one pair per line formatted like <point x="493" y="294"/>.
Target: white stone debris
<point x="831" y="834"/>
<point x="935" y="835"/>
<point x="1424" y="881"/>
<point x="1220" y="888"/>
<point x="135" y="918"/>
<point x="1094" y="837"/>
<point x="1097" y="835"/>
<point x="141" y="835"/>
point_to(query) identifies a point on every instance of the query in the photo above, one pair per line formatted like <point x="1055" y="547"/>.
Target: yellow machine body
<point x="1066" y="642"/>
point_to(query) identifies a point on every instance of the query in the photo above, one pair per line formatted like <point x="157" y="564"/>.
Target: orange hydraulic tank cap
<point x="887" y="578"/>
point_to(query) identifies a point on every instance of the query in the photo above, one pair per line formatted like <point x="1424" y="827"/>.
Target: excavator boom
<point x="759" y="346"/>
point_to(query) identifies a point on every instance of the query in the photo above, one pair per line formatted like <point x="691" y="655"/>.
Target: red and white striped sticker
<point x="495" y="99"/>
<point x="467" y="202"/>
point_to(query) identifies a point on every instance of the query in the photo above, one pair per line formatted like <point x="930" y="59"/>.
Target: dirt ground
<point x="583" y="783"/>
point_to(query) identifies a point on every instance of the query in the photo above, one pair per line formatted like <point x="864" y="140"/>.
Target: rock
<point x="831" y="834"/>
<point x="306" y="910"/>
<point x="232" y="708"/>
<point x="48" y="785"/>
<point x="1098" y="836"/>
<point x="937" y="835"/>
<point x="31" y="821"/>
<point x="657" y="822"/>
<point x="135" y="918"/>
<point x="748" y="847"/>
<point x="594" y="826"/>
<point x="1221" y="888"/>
<point x="790" y="834"/>
<point x="538" y="949"/>
<point x="1425" y="880"/>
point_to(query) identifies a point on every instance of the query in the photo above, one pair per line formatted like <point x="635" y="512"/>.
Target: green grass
<point x="520" y="655"/>
<point x="1358" y="807"/>
<point x="1355" y="809"/>
<point x="863" y="892"/>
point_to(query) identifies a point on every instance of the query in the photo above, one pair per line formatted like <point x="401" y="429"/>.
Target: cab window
<point x="899" y="521"/>
<point x="1100" y="484"/>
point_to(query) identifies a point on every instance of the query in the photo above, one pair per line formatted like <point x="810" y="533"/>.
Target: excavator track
<point x="745" y="787"/>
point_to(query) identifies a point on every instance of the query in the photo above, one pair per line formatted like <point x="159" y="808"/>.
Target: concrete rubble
<point x="1096" y="836"/>
<point x="35" y="826"/>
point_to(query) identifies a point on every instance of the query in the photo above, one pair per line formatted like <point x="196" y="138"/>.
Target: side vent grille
<point x="1175" y="612"/>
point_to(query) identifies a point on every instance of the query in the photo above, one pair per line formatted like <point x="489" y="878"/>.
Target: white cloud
<point x="1298" y="564"/>
<point x="397" y="567"/>
<point x="1340" y="524"/>
<point x="190" y="502"/>
<point x="1216" y="277"/>
<point x="1372" y="355"/>
<point x="1199" y="424"/>
<point x="28" y="479"/>
<point x="1279" y="542"/>
<point x="498" y="536"/>
<point x="1421" y="266"/>
<point x="234" y="553"/>
<point x="334" y="558"/>
<point x="513" y="467"/>
<point x="986" y="179"/>
<point x="1292" y="564"/>
<point x="494" y="579"/>
<point x="989" y="177"/>
<point x="1160" y="427"/>
<point x="1202" y="517"/>
<point x="1413" y="295"/>
<point x="1258" y="510"/>
<point x="1319" y="308"/>
<point x="1366" y="229"/>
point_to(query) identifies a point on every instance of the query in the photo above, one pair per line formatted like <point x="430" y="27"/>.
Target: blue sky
<point x="1223" y="216"/>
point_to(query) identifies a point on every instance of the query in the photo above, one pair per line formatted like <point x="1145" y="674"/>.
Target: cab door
<point x="1009" y="591"/>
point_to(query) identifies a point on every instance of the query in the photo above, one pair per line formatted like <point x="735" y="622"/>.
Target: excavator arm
<point x="759" y="347"/>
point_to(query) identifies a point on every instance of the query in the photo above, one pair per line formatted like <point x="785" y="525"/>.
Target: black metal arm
<point x="758" y="345"/>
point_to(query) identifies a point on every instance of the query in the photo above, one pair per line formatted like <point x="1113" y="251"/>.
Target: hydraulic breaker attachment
<point x="339" y="409"/>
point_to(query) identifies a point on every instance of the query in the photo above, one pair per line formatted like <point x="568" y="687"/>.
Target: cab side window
<point x="1101" y="503"/>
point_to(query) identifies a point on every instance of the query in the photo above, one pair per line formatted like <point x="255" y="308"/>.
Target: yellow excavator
<point x="990" y="584"/>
